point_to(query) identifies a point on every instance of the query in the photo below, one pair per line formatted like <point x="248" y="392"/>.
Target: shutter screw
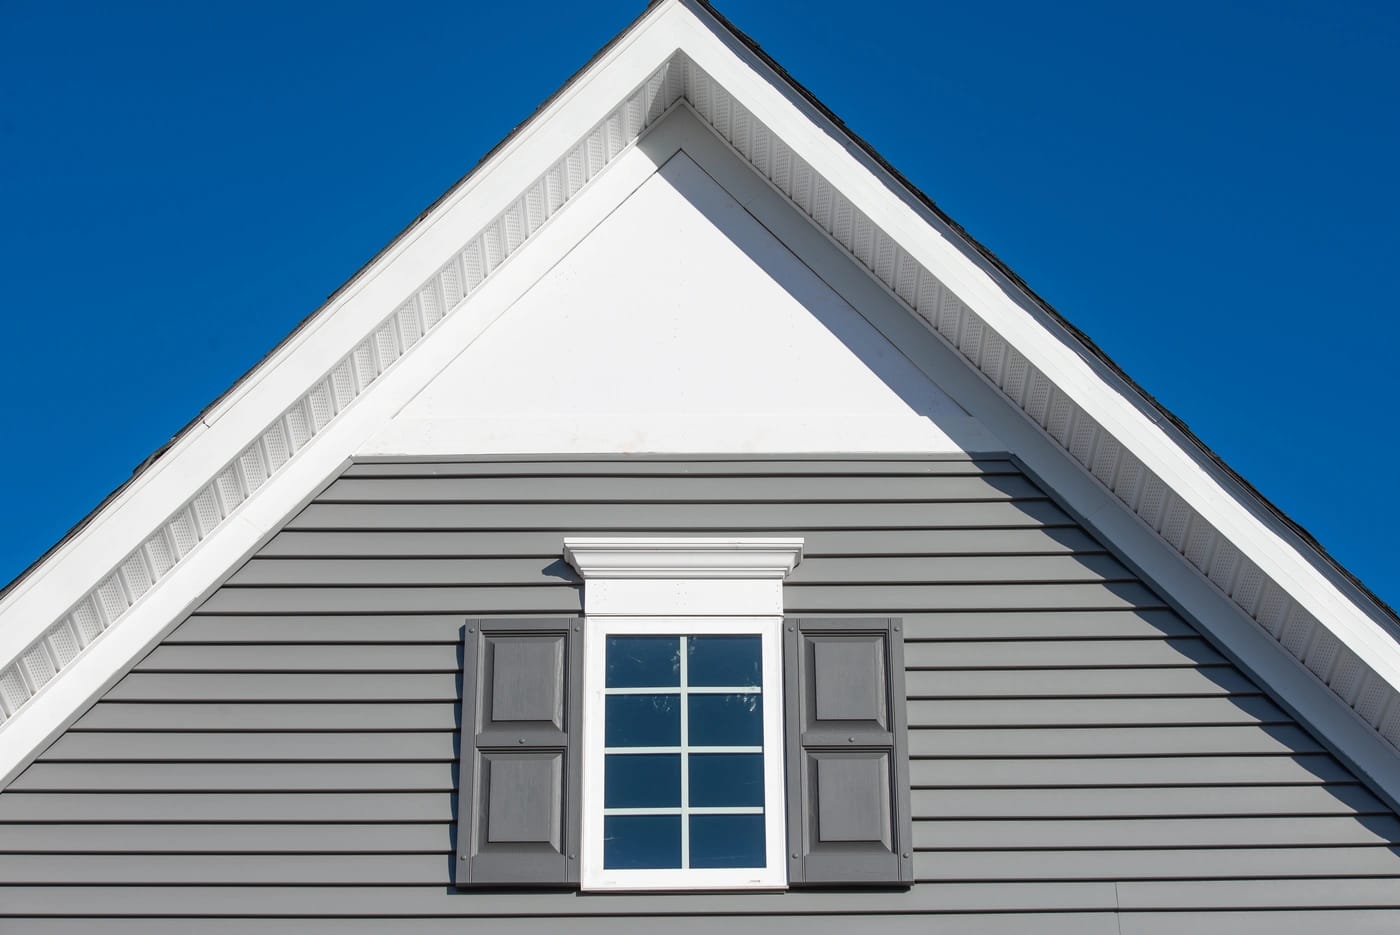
<point x="906" y="855"/>
<point x="520" y="740"/>
<point x="896" y="629"/>
<point x="571" y="856"/>
<point x="463" y="857"/>
<point x="794" y="856"/>
<point x="790" y="629"/>
<point x="576" y="629"/>
<point x="850" y="740"/>
<point x="471" y="629"/>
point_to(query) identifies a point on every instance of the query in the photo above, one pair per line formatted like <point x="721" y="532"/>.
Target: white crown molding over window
<point x="683" y="558"/>
<point x="683" y="577"/>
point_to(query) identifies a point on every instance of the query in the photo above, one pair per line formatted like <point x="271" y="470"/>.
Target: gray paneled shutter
<point x="518" y="797"/>
<point x="847" y="753"/>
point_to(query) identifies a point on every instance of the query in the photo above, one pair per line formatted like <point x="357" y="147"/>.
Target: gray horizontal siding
<point x="809" y="599"/>
<point x="707" y="517"/>
<point x="821" y="543"/>
<point x="1259" y="922"/>
<point x="551" y="571"/>
<point x="1064" y="923"/>
<point x="410" y="901"/>
<point x="403" y="629"/>
<point x="1071" y="682"/>
<point x="1081" y="758"/>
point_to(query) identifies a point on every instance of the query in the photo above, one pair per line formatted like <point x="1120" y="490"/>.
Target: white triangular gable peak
<point x="76" y="620"/>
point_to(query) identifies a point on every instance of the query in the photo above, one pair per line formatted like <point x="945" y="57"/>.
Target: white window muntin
<point x="593" y="874"/>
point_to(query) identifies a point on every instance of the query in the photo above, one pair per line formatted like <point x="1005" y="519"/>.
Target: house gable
<point x="71" y="626"/>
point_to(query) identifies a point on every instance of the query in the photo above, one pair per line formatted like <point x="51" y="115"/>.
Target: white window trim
<point x="680" y="587"/>
<point x="593" y="874"/>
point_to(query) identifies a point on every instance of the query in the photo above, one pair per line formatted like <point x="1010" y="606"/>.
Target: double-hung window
<point x="683" y="735"/>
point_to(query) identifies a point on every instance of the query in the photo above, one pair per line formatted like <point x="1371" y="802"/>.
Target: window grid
<point x="684" y="690"/>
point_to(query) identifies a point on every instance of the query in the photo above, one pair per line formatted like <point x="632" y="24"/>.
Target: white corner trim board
<point x="114" y="570"/>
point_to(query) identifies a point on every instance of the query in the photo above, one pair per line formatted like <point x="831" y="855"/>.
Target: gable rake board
<point x="1081" y="759"/>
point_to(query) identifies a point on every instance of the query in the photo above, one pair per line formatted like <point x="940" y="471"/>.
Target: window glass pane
<point x="641" y="842"/>
<point x="726" y="841"/>
<point x="726" y="779"/>
<point x="643" y="662"/>
<point x="642" y="721"/>
<point x="724" y="660"/>
<point x="642" y="780"/>
<point x="726" y="720"/>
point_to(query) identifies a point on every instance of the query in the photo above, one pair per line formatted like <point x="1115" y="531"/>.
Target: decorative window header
<point x="683" y="577"/>
<point x="683" y="558"/>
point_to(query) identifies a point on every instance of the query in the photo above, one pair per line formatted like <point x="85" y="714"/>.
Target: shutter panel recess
<point x="847" y="754"/>
<point x="518" y="790"/>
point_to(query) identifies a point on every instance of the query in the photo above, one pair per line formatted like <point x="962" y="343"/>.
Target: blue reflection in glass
<point x="642" y="842"/>
<point x="726" y="841"/>
<point x="642" y="721"/>
<point x="726" y="779"/>
<point x="643" y="662"/>
<point x="726" y="720"/>
<point x="642" y="780"/>
<point x="724" y="660"/>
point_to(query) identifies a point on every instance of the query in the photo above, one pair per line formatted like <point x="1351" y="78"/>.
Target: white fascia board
<point x="1087" y="382"/>
<point x="49" y="591"/>
<point x="100" y="664"/>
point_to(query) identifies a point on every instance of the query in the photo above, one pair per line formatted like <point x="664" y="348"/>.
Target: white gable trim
<point x="119" y="568"/>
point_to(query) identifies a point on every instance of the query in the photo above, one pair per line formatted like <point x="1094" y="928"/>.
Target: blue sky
<point x="1207" y="189"/>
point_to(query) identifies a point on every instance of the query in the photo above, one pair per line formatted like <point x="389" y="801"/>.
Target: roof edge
<point x="1072" y="334"/>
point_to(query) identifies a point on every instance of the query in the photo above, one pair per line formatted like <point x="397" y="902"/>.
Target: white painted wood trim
<point x="694" y="577"/>
<point x="598" y="558"/>
<point x="593" y="876"/>
<point x="689" y="596"/>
